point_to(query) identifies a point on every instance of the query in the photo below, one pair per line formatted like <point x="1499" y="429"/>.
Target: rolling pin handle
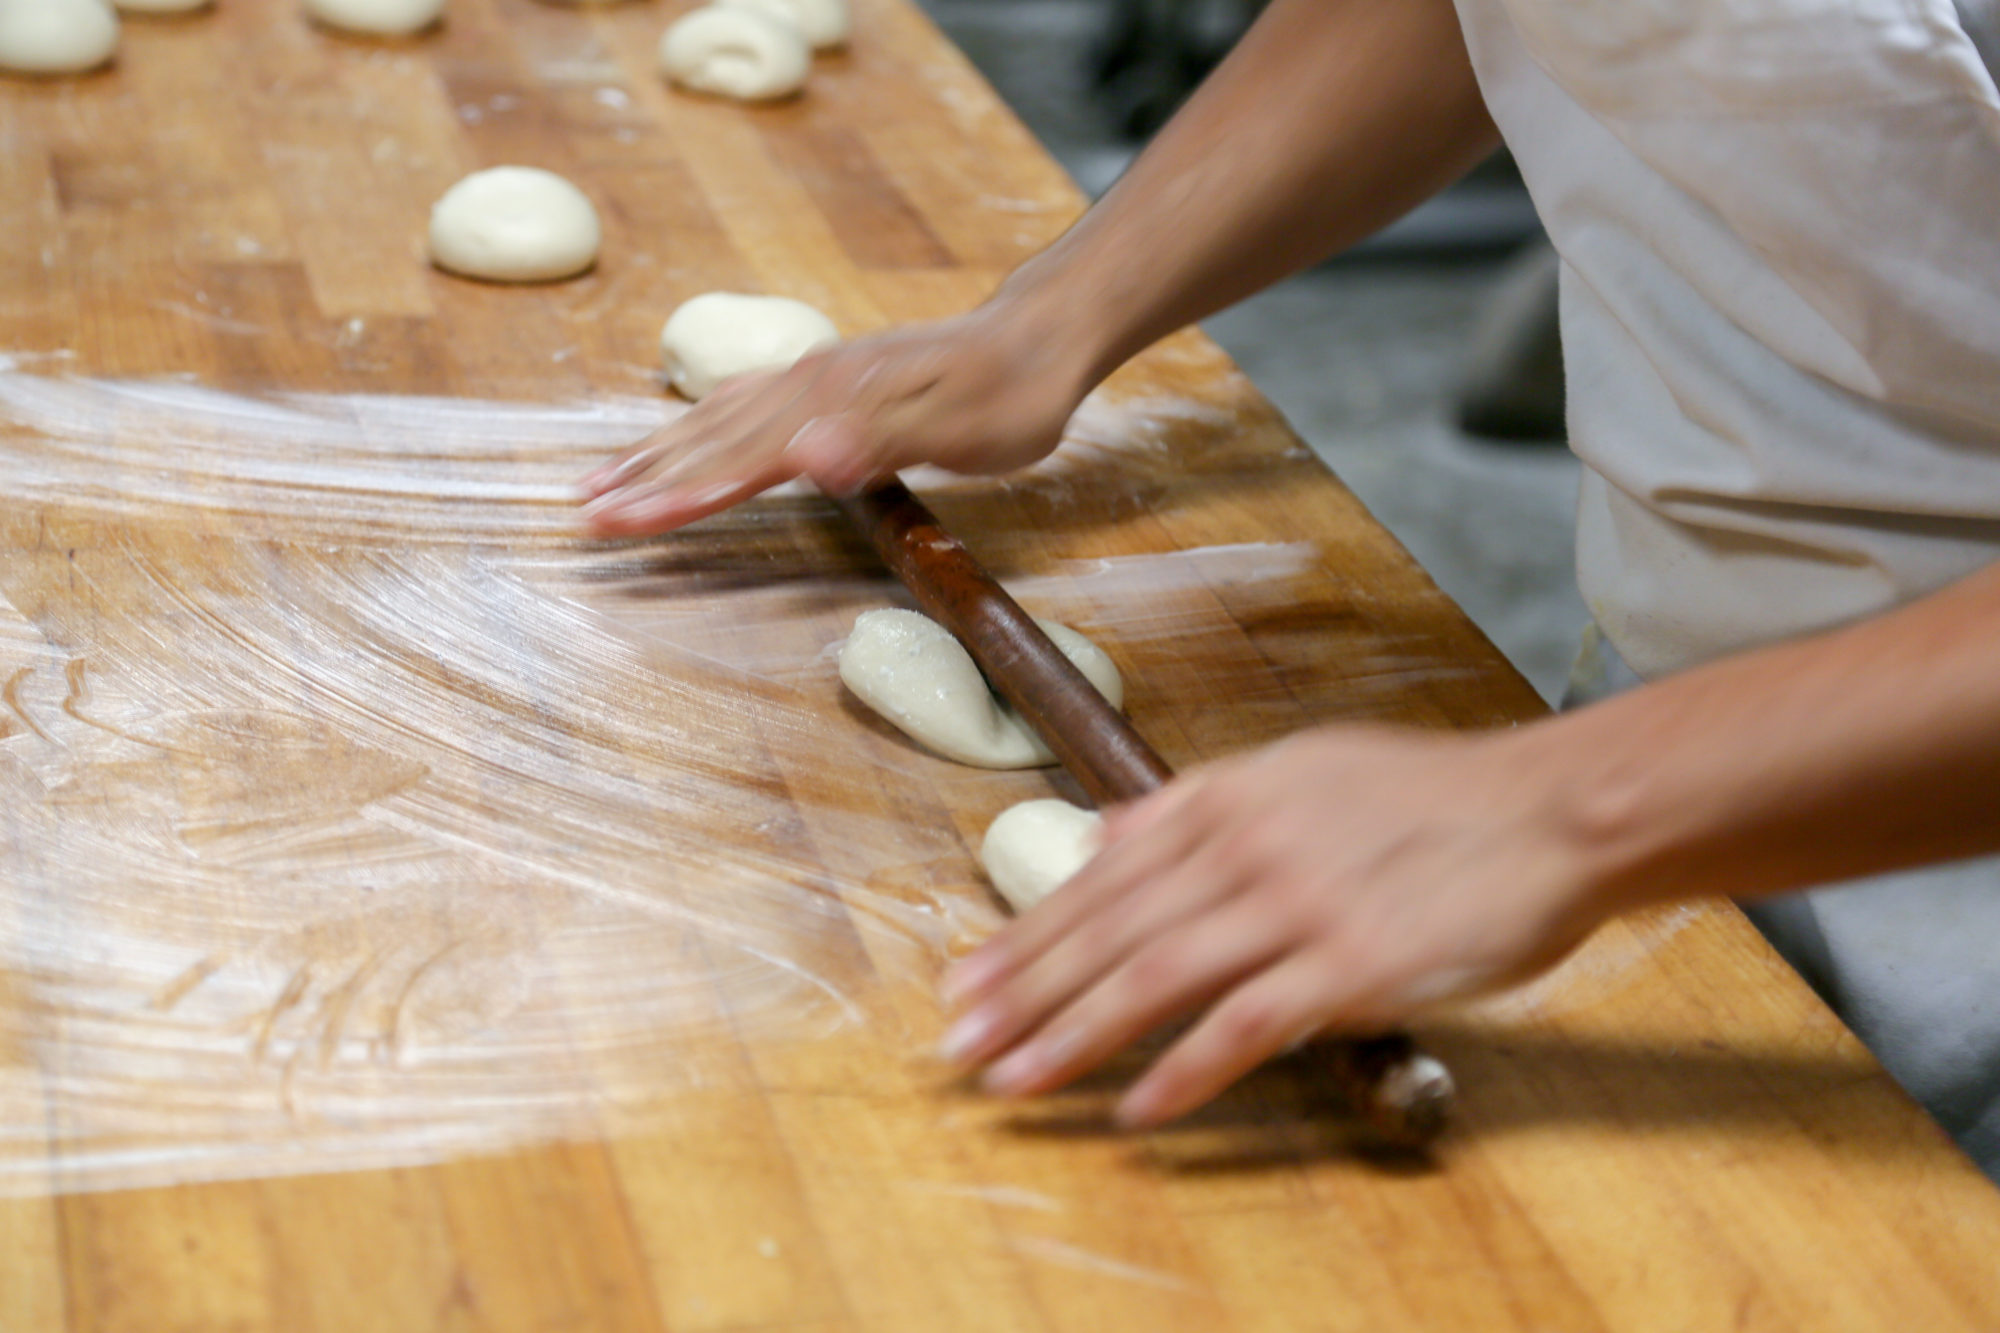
<point x="1403" y="1095"/>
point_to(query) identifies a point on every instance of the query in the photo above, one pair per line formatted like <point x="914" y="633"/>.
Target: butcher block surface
<point x="414" y="915"/>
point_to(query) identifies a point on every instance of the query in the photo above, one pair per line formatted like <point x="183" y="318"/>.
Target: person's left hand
<point x="1340" y="880"/>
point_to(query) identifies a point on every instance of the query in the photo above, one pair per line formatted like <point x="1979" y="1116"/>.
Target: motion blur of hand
<point x="1340" y="880"/>
<point x="985" y="392"/>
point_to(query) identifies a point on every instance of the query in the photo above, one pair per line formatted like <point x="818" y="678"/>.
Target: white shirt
<point x="1779" y="223"/>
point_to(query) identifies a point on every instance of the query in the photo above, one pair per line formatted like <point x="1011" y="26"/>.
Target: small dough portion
<point x="1036" y="847"/>
<point x="823" y="23"/>
<point x="514" y="224"/>
<point x="382" y="18"/>
<point x="56" y="36"/>
<point x="910" y="669"/>
<point x="161" y="6"/>
<point x="739" y="53"/>
<point x="720" y="335"/>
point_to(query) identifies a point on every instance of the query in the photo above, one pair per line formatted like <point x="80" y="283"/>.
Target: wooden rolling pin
<point x="1402" y="1094"/>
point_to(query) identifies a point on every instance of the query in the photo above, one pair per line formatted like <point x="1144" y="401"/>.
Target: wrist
<point x="1063" y="316"/>
<point x="1629" y="822"/>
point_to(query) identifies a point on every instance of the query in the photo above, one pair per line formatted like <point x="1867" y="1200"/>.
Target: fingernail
<point x="608" y="503"/>
<point x="967" y="1036"/>
<point x="1137" y="1109"/>
<point x="617" y="472"/>
<point x="1017" y="1072"/>
<point x="711" y="495"/>
<point x="966" y="977"/>
<point x="802" y="436"/>
<point x="840" y="488"/>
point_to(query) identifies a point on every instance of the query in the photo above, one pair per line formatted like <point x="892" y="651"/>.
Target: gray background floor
<point x="1363" y="355"/>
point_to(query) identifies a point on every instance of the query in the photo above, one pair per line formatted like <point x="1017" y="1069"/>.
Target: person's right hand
<point x="984" y="392"/>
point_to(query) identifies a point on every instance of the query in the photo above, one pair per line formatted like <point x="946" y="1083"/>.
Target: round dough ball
<point x="1036" y="847"/>
<point x="738" y="53"/>
<point x="911" y="671"/>
<point x="385" y="18"/>
<point x="56" y="36"/>
<point x="823" y="23"/>
<point x="722" y="334"/>
<point x="514" y="224"/>
<point x="161" y="6"/>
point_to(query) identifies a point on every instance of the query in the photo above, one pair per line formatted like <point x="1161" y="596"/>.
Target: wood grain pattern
<point x="219" y="611"/>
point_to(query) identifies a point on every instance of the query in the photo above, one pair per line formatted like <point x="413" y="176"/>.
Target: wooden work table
<point x="415" y="916"/>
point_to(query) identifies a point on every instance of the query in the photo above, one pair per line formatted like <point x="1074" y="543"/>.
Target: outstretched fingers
<point x="646" y="510"/>
<point x="725" y="451"/>
<point x="1273" y="1011"/>
<point x="1120" y="869"/>
<point x="1078" y="960"/>
<point x="1173" y="974"/>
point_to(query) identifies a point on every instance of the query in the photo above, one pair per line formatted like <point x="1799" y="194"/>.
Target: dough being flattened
<point x="1036" y="847"/>
<point x="719" y="335"/>
<point x="909" y="669"/>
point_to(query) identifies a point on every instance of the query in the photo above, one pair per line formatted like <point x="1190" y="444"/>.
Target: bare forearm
<point x="1870" y="749"/>
<point x="1331" y="119"/>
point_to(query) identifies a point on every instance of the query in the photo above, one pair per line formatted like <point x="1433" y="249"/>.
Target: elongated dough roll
<point x="911" y="671"/>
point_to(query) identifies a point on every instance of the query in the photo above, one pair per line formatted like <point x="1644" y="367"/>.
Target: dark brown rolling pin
<point x="1402" y="1094"/>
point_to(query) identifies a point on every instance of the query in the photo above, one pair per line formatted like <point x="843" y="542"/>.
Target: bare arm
<point x="1330" y="119"/>
<point x="1873" y="748"/>
<point x="1346" y="878"/>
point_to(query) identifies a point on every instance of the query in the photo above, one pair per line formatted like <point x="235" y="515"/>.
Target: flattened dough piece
<point x="719" y="335"/>
<point x="823" y="23"/>
<point x="56" y="36"/>
<point x="1036" y="847"/>
<point x="514" y="224"/>
<point x="739" y="53"/>
<point x="378" y="18"/>
<point x="909" y="669"/>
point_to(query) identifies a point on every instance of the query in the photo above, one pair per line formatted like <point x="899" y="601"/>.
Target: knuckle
<point x="1308" y="904"/>
<point x="1338" y="946"/>
<point x="1251" y="1021"/>
<point x="1099" y="936"/>
<point x="1208" y="802"/>
<point x="1267" y="838"/>
<point x="1157" y="969"/>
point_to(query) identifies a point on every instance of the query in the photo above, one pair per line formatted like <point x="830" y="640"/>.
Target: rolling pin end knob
<point x="1404" y="1096"/>
<point x="1414" y="1100"/>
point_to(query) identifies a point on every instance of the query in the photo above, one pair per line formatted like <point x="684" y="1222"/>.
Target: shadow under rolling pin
<point x="1402" y="1094"/>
